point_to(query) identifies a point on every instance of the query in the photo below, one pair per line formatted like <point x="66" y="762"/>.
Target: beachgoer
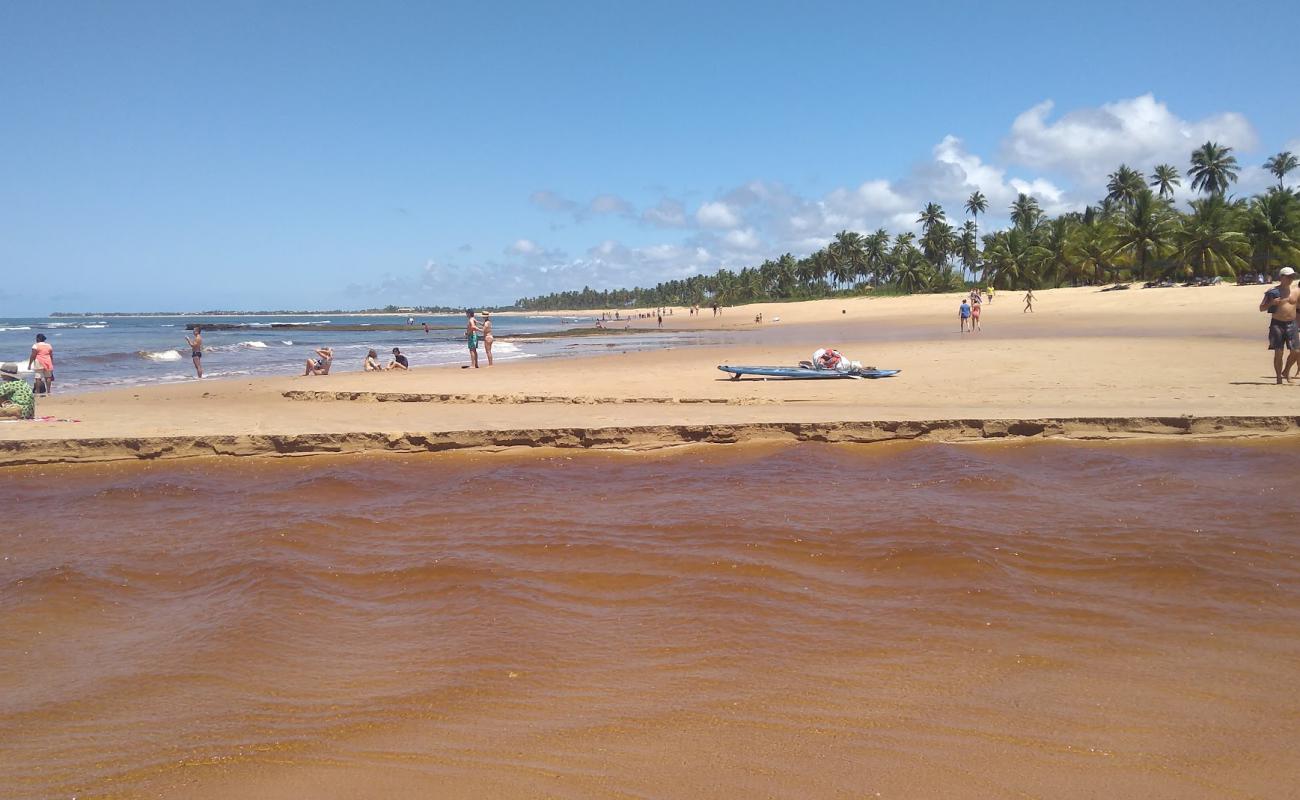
<point x="1029" y="302"/>
<point x="487" y="335"/>
<point x="1280" y="302"/>
<point x="196" y="350"/>
<point x="43" y="356"/>
<point x="399" y="361"/>
<point x="661" y="319"/>
<point x="426" y="329"/>
<point x="975" y="315"/>
<point x="372" y="362"/>
<point x="471" y="336"/>
<point x="321" y="364"/>
<point x="989" y="291"/>
<point x="16" y="398"/>
<point x="963" y="313"/>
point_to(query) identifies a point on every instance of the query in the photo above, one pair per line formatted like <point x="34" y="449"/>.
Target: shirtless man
<point x="471" y="336"/>
<point x="196" y="350"/>
<point x="1281" y="302"/>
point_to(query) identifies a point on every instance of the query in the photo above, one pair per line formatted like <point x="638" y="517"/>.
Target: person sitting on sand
<point x="1281" y="302"/>
<point x="372" y="362"/>
<point x="321" y="364"/>
<point x="399" y="361"/>
<point x="16" y="398"/>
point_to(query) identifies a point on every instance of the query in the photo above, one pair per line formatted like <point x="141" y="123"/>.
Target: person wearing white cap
<point x="16" y="400"/>
<point x="1281" y="302"/>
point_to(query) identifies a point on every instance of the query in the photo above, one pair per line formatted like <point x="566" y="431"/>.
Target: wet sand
<point x="906" y="620"/>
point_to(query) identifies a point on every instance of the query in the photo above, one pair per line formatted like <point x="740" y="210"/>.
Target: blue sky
<point x="319" y="155"/>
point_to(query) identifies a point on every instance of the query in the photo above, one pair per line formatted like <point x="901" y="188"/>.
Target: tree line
<point x="1134" y="233"/>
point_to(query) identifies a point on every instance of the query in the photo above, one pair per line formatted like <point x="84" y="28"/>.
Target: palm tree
<point x="1011" y="258"/>
<point x="1207" y="243"/>
<point x="932" y="215"/>
<point x="968" y="248"/>
<point x="875" y="251"/>
<point x="1123" y="184"/>
<point x="937" y="243"/>
<point x="977" y="204"/>
<point x="1281" y="164"/>
<point x="1090" y="247"/>
<point x="1272" y="225"/>
<point x="913" y="273"/>
<point x="1144" y="233"/>
<point x="1213" y="168"/>
<point x="1165" y="178"/>
<point x="849" y="255"/>
<point x="1054" y="260"/>
<point x="1025" y="212"/>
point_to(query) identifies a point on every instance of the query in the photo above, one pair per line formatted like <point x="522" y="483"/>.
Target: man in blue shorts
<point x="1281" y="302"/>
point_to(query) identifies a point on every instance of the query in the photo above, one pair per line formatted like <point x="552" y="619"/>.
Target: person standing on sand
<point x="975" y="314"/>
<point x="196" y="350"/>
<point x="1029" y="302"/>
<point x="43" y="356"/>
<point x="963" y="313"/>
<point x="1280" y="302"/>
<point x="487" y="335"/>
<point x="471" y="337"/>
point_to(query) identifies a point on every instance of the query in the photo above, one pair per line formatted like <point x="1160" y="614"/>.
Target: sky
<point x="253" y="155"/>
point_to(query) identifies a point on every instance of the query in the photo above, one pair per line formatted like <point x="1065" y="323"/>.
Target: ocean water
<point x="815" y="621"/>
<point x="96" y="353"/>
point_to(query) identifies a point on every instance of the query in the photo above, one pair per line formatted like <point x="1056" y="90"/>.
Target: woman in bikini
<point x="196" y="350"/>
<point x="487" y="335"/>
<point x="321" y="364"/>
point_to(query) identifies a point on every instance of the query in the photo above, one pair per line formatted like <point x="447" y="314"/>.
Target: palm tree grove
<point x="1134" y="233"/>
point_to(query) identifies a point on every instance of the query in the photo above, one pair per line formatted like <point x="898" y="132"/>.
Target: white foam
<point x="254" y="345"/>
<point x="96" y="325"/>
<point x="17" y="328"/>
<point x="285" y="341"/>
<point x="165" y="355"/>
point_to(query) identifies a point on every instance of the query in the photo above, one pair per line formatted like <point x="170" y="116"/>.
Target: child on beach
<point x="43" y="356"/>
<point x="372" y="362"/>
<point x="963" y="313"/>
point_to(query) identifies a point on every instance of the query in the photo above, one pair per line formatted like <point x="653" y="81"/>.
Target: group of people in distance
<point x="968" y="313"/>
<point x="320" y="365"/>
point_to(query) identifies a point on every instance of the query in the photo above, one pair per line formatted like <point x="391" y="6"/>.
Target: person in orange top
<point x="43" y="357"/>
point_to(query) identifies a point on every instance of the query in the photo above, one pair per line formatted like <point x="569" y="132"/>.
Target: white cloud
<point x="667" y="214"/>
<point x="523" y="247"/>
<point x="1088" y="143"/>
<point x="717" y="215"/>
<point x="746" y="239"/>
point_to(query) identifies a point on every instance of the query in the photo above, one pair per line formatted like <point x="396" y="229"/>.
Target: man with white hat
<point x="1281" y="302"/>
<point x="16" y="400"/>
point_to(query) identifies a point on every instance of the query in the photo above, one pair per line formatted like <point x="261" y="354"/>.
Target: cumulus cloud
<point x="717" y="215"/>
<point x="666" y="214"/>
<point x="1088" y="143"/>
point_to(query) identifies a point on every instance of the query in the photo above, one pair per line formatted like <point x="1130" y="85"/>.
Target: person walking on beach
<point x="963" y="313"/>
<point x="321" y="364"/>
<point x="471" y="336"/>
<point x="1029" y="302"/>
<point x="487" y="335"/>
<point x="1280" y="302"/>
<point x="43" y="356"/>
<point x="196" y="350"/>
<point x="16" y="398"/>
<point x="975" y="314"/>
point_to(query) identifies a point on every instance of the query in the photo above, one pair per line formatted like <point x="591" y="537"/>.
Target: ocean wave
<point x="164" y="355"/>
<point x="286" y="342"/>
<point x="254" y="345"/>
<point x="17" y="328"/>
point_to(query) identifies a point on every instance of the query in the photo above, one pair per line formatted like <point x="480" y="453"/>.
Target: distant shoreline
<point x="175" y="314"/>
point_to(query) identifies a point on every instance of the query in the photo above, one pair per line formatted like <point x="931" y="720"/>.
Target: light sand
<point x="1110" y="357"/>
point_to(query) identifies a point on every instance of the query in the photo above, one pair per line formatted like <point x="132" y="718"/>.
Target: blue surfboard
<point x="802" y="373"/>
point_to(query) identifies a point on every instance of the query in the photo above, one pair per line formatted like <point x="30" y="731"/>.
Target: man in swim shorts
<point x="963" y="313"/>
<point x="196" y="350"/>
<point x="471" y="337"/>
<point x="1280" y="302"/>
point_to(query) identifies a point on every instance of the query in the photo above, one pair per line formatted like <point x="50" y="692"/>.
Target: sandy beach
<point x="1085" y="363"/>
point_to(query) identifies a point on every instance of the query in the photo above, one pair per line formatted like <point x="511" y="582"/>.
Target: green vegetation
<point x="1133" y="233"/>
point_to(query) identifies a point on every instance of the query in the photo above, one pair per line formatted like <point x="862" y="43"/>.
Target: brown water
<point x="1037" y="620"/>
